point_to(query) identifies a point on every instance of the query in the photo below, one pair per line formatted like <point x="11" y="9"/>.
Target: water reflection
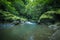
<point x="26" y="31"/>
<point x="31" y="37"/>
<point x="6" y="25"/>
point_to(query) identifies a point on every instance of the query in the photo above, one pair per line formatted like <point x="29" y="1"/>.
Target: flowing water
<point x="25" y="31"/>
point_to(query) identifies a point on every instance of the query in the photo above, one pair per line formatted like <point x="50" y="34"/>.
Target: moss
<point x="47" y="14"/>
<point x="58" y="11"/>
<point x="50" y="16"/>
<point x="9" y="16"/>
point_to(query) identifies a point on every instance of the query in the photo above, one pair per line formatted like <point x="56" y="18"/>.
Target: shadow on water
<point x="26" y="31"/>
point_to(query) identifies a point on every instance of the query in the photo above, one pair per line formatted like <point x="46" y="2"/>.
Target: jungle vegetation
<point x="13" y="12"/>
<point x="32" y="10"/>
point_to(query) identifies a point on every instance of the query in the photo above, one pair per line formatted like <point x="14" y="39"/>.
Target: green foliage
<point x="30" y="9"/>
<point x="47" y="14"/>
<point x="50" y="16"/>
<point x="7" y="16"/>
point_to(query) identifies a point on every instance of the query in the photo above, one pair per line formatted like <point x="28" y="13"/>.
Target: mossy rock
<point x="8" y="16"/>
<point x="49" y="16"/>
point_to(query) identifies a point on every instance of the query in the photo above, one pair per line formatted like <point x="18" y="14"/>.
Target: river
<point x="24" y="31"/>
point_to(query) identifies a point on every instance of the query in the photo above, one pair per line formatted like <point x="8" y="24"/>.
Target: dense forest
<point x="29" y="19"/>
<point x="31" y="10"/>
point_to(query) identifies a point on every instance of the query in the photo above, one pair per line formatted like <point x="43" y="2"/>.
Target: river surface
<point x="24" y="31"/>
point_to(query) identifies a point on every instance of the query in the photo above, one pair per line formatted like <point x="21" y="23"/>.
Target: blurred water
<point x="9" y="25"/>
<point x="6" y="25"/>
<point x="24" y="31"/>
<point x="31" y="37"/>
